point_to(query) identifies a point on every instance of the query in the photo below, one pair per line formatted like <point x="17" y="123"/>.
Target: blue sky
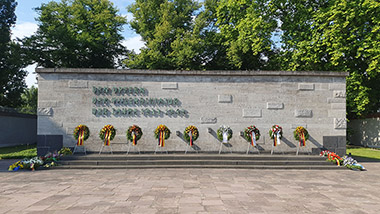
<point x="26" y="26"/>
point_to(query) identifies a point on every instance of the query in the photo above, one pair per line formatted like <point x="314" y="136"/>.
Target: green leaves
<point x="77" y="33"/>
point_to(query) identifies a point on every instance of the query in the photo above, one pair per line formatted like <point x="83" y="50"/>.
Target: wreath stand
<point x="84" y="149"/>
<point x="271" y="152"/>
<point x="254" y="147"/>
<point x="159" y="148"/>
<point x="221" y="146"/>
<point x="299" y="148"/>
<point x="105" y="146"/>
<point x="130" y="144"/>
<point x="191" y="147"/>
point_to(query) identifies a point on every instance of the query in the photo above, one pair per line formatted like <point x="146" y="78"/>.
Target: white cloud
<point x="134" y="43"/>
<point x="24" y="29"/>
<point x="129" y="16"/>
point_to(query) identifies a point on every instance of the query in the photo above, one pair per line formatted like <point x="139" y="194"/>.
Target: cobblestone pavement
<point x="191" y="191"/>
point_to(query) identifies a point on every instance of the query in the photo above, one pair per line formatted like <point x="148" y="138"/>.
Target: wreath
<point x="299" y="130"/>
<point x="78" y="129"/>
<point x="111" y="130"/>
<point x="162" y="128"/>
<point x="248" y="131"/>
<point x="222" y="129"/>
<point x="194" y="131"/>
<point x="275" y="129"/>
<point x="138" y="133"/>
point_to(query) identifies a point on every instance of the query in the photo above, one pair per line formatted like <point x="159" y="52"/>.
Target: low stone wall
<point x="365" y="132"/>
<point x="17" y="129"/>
<point x="206" y="99"/>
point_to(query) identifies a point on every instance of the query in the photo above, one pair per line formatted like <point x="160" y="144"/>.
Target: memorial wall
<point x="205" y="99"/>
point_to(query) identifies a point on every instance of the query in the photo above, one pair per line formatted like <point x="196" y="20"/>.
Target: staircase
<point x="202" y="160"/>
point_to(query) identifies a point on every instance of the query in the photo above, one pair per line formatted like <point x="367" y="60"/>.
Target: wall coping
<point x="190" y="73"/>
<point x="21" y="115"/>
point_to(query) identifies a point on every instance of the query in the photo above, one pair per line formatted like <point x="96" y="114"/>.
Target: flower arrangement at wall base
<point x="301" y="134"/>
<point x="162" y="133"/>
<point x="191" y="134"/>
<point x="224" y="133"/>
<point x="107" y="134"/>
<point x="47" y="161"/>
<point x="332" y="157"/>
<point x="275" y="133"/>
<point x="134" y="134"/>
<point x="351" y="163"/>
<point x="252" y="134"/>
<point x="81" y="133"/>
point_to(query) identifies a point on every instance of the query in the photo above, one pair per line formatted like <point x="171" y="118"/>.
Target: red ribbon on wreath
<point x="107" y="138"/>
<point x="191" y="138"/>
<point x="81" y="137"/>
<point x="134" y="139"/>
<point x="161" y="140"/>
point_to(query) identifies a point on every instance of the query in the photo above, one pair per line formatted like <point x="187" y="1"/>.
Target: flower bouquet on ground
<point x="275" y="133"/>
<point x="191" y="134"/>
<point x="252" y="134"/>
<point x="81" y="133"/>
<point x="224" y="133"/>
<point x="332" y="157"/>
<point x="107" y="133"/>
<point x="301" y="134"/>
<point x="162" y="133"/>
<point x="351" y="163"/>
<point x="134" y="134"/>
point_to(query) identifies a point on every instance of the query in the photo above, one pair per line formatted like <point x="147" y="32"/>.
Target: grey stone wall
<point x="17" y="129"/>
<point x="207" y="99"/>
<point x="365" y="132"/>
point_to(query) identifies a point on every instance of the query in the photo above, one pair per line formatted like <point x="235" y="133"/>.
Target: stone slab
<point x="338" y="106"/>
<point x="339" y="94"/>
<point x="78" y="84"/>
<point x="45" y="111"/>
<point x="169" y="85"/>
<point x="340" y="123"/>
<point x="337" y="86"/>
<point x="224" y="98"/>
<point x="306" y="86"/>
<point x="273" y="105"/>
<point x="208" y="120"/>
<point x="303" y="113"/>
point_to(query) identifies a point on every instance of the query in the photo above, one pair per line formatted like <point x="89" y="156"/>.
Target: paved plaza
<point x="191" y="191"/>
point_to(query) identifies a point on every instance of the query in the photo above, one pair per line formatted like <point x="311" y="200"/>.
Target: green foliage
<point x="29" y="100"/>
<point x="11" y="61"/>
<point x="77" y="33"/>
<point x="18" y="152"/>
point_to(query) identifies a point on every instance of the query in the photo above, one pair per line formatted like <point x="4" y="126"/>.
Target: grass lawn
<point x="364" y="152"/>
<point x="18" y="152"/>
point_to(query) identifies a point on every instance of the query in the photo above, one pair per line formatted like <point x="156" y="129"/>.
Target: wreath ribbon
<point x="225" y="137"/>
<point x="134" y="139"/>
<point x="301" y="136"/>
<point x="161" y="140"/>
<point x="107" y="138"/>
<point x="191" y="138"/>
<point x="253" y="138"/>
<point x="80" y="138"/>
<point x="276" y="138"/>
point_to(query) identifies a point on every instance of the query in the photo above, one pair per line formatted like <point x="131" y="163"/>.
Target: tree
<point x="12" y="76"/>
<point x="77" y="33"/>
<point x="29" y="100"/>
<point x="343" y="36"/>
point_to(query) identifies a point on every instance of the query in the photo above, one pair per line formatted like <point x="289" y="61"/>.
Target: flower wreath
<point x="248" y="134"/>
<point x="194" y="133"/>
<point x="301" y="134"/>
<point x="162" y="133"/>
<point x="138" y="133"/>
<point x="223" y="129"/>
<point x="81" y="133"/>
<point x="107" y="133"/>
<point x="275" y="129"/>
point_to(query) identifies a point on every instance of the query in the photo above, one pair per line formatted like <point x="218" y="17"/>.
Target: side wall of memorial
<point x="177" y="99"/>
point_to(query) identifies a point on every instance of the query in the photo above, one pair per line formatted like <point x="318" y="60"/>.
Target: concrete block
<point x="208" y="120"/>
<point x="45" y="111"/>
<point x="78" y="84"/>
<point x="252" y="113"/>
<point x="303" y="113"/>
<point x="336" y="113"/>
<point x="169" y="85"/>
<point x="47" y="104"/>
<point x="224" y="98"/>
<point x="49" y="143"/>
<point x="339" y="94"/>
<point x="340" y="123"/>
<point x="294" y="126"/>
<point x="316" y="151"/>
<point x="337" y="86"/>
<point x="330" y="142"/>
<point x="306" y="86"/>
<point x="336" y="100"/>
<point x="341" y="151"/>
<point x="272" y="105"/>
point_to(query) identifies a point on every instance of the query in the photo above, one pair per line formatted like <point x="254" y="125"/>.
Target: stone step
<point x="267" y="167"/>
<point x="194" y="157"/>
<point x="192" y="162"/>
